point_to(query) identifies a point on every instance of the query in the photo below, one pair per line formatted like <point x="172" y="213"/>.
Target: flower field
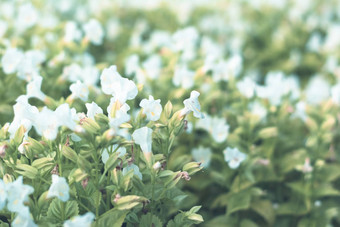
<point x="169" y="113"/>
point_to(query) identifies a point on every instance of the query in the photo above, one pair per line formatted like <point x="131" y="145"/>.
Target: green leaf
<point x="113" y="217"/>
<point x="59" y="211"/>
<point x="150" y="220"/>
<point x="265" y="209"/>
<point x="239" y="201"/>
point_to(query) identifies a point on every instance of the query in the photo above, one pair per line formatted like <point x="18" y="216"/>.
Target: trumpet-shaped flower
<point x="34" y="89"/>
<point x="234" y="157"/>
<point x="17" y="194"/>
<point x="121" y="116"/>
<point x="79" y="90"/>
<point x="143" y="137"/>
<point x="93" y="109"/>
<point x="11" y="60"/>
<point x="202" y="155"/>
<point x="135" y="169"/>
<point x="120" y="88"/>
<point x="192" y="104"/>
<point x="83" y="220"/>
<point x="152" y="108"/>
<point x="59" y="188"/>
<point x="94" y="32"/>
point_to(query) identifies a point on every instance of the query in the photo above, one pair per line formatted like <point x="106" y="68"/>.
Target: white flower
<point x="202" y="155"/>
<point x="192" y="104"/>
<point x="27" y="16"/>
<point x="66" y="116"/>
<point x="183" y="77"/>
<point x="153" y="66"/>
<point x="17" y="195"/>
<point x="120" y="150"/>
<point x="59" y="188"/>
<point x="11" y="60"/>
<point x="93" y="109"/>
<point x="335" y="92"/>
<point x="143" y="137"/>
<point x="152" y="108"/>
<point x="79" y="90"/>
<point x="83" y="221"/>
<point x="121" y="116"/>
<point x="24" y="114"/>
<point x="223" y="70"/>
<point x="33" y="89"/>
<point x="246" y="87"/>
<point x="185" y="39"/>
<point x="72" y="32"/>
<point x="23" y="221"/>
<point x="120" y="88"/>
<point x="318" y="90"/>
<point x="300" y="110"/>
<point x="94" y="32"/>
<point x="258" y="109"/>
<point x="217" y="127"/>
<point x="234" y="157"/>
<point x="29" y="66"/>
<point x="3" y="28"/>
<point x="131" y="64"/>
<point x="135" y="170"/>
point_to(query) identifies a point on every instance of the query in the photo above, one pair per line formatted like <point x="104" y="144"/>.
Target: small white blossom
<point x="183" y="77"/>
<point x="120" y="88"/>
<point x="59" y="188"/>
<point x="79" y="90"/>
<point x="94" y="32"/>
<point x="93" y="109"/>
<point x="152" y="108"/>
<point x="234" y="157"/>
<point x="192" y="104"/>
<point x="135" y="169"/>
<point x="11" y="60"/>
<point x="72" y="32"/>
<point x="34" y="89"/>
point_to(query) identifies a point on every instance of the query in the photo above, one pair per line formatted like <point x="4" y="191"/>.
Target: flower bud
<point x="8" y="178"/>
<point x="23" y="147"/>
<point x="3" y="148"/>
<point x="157" y="166"/>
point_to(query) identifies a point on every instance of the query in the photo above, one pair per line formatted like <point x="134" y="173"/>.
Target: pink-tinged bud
<point x="117" y="197"/>
<point x="263" y="162"/>
<point x="23" y="147"/>
<point x="85" y="182"/>
<point x="186" y="176"/>
<point x="3" y="150"/>
<point x="55" y="170"/>
<point x="157" y="166"/>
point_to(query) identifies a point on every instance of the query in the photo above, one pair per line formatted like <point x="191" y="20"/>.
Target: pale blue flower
<point x="23" y="220"/>
<point x="234" y="157"/>
<point x="83" y="221"/>
<point x="59" y="188"/>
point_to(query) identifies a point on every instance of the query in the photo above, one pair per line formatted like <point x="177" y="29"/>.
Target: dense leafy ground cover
<point x="169" y="113"/>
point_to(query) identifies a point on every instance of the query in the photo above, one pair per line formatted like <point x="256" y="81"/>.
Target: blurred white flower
<point x="79" y="90"/>
<point x="318" y="90"/>
<point x="72" y="32"/>
<point x="11" y="60"/>
<point x="152" y="108"/>
<point x="131" y="64"/>
<point x="183" y="77"/>
<point x="246" y="87"/>
<point x="17" y="195"/>
<point x="152" y="66"/>
<point x="143" y="137"/>
<point x="217" y="127"/>
<point x="3" y="28"/>
<point x="234" y="157"/>
<point x="27" y="16"/>
<point x="202" y="155"/>
<point x="33" y="89"/>
<point x="59" y="188"/>
<point x="94" y="32"/>
<point x="192" y="104"/>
